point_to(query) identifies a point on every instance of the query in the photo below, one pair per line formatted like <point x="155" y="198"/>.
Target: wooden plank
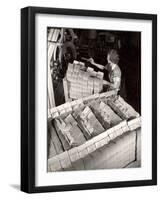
<point x="52" y="150"/>
<point x="50" y="84"/>
<point x="51" y="51"/>
<point x="78" y="165"/>
<point x="64" y="142"/>
<point x="50" y="35"/>
<point x="138" y="151"/>
<point x="65" y="85"/>
<point x="55" y="138"/>
<point x="50" y="89"/>
<point x="88" y="162"/>
<point x="75" y="131"/>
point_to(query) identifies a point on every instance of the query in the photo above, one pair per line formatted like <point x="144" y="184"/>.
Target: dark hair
<point x="113" y="56"/>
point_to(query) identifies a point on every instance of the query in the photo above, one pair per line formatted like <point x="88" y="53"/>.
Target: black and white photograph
<point x="94" y="99"/>
<point x="89" y="105"/>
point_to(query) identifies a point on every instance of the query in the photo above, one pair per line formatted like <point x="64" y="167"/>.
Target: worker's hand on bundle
<point x="91" y="60"/>
<point x="106" y="83"/>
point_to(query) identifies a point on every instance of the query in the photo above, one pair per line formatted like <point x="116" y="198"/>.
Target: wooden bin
<point x="116" y="147"/>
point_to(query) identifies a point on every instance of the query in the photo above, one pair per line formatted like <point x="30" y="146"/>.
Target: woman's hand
<point x="91" y="60"/>
<point x="106" y="83"/>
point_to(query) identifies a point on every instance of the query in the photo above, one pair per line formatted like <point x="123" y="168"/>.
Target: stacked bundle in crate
<point x="83" y="82"/>
<point x="105" y="114"/>
<point x="69" y="132"/>
<point x="89" y="122"/>
<point x="124" y="110"/>
<point x="75" y="127"/>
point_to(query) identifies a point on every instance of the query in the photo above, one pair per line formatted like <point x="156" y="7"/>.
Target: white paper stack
<point x="83" y="82"/>
<point x="90" y="122"/>
<point x="124" y="110"/>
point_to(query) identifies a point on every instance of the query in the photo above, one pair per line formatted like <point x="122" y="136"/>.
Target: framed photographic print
<point x="88" y="99"/>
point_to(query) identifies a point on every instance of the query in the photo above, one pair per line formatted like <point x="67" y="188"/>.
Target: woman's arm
<point x="91" y="60"/>
<point x="106" y="83"/>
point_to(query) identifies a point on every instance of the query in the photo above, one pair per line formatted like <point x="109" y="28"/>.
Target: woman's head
<point x="112" y="56"/>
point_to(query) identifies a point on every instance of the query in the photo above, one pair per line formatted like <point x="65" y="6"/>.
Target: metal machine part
<point x="61" y="50"/>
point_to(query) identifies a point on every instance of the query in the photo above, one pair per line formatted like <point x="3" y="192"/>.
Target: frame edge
<point x="24" y="100"/>
<point x="27" y="115"/>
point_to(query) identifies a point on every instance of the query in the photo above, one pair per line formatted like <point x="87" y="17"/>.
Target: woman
<point x="114" y="72"/>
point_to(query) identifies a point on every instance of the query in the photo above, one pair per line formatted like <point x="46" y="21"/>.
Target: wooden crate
<point x="121" y="137"/>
